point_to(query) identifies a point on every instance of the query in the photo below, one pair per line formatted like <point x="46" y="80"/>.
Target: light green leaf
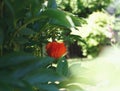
<point x="74" y="87"/>
<point x="79" y="74"/>
<point x="77" y="20"/>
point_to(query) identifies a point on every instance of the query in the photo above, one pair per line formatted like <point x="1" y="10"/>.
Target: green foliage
<point x="25" y="28"/>
<point x="28" y="27"/>
<point x="83" y="7"/>
<point x="62" y="64"/>
<point x="97" y="23"/>
<point x="25" y="72"/>
<point x="95" y="33"/>
<point x="15" y="68"/>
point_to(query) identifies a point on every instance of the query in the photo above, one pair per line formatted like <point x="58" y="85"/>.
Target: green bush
<point x="83" y="7"/>
<point x="95" y="33"/>
<point x="25" y="28"/>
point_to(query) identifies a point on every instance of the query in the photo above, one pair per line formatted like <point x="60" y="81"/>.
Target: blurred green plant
<point x="28" y="27"/>
<point x="95" y="33"/>
<point x="25" y="27"/>
<point x="83" y="8"/>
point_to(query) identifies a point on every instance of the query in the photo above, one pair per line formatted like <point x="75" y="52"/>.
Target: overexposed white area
<point x="103" y="72"/>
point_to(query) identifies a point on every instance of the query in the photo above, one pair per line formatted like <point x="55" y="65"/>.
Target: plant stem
<point x="1" y="50"/>
<point x="1" y="8"/>
<point x="24" y="26"/>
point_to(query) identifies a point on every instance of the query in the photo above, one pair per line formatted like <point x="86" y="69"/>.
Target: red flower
<point x="55" y="49"/>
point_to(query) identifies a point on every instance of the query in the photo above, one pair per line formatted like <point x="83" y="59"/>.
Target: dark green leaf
<point x="8" y="80"/>
<point x="10" y="7"/>
<point x="62" y="67"/>
<point x="59" y="17"/>
<point x="37" y="63"/>
<point x="4" y="87"/>
<point x="15" y="59"/>
<point x="48" y="87"/>
<point x="77" y="38"/>
<point x="8" y="83"/>
<point x="27" y="87"/>
<point x="43" y="76"/>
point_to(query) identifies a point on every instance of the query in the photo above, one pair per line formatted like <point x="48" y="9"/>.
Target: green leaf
<point x="15" y="59"/>
<point x="43" y="76"/>
<point x="8" y="83"/>
<point x="77" y="20"/>
<point x="58" y="17"/>
<point x="78" y="38"/>
<point x="73" y="87"/>
<point x="62" y="67"/>
<point x="27" y="87"/>
<point x="8" y="80"/>
<point x="37" y="63"/>
<point x="47" y="87"/>
<point x="10" y="7"/>
<point x="4" y="87"/>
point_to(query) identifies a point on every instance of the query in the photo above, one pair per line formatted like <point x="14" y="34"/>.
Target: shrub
<point x="83" y="8"/>
<point x="95" y="33"/>
<point x="25" y="28"/>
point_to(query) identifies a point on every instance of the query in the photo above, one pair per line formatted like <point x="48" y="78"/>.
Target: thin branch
<point x="24" y="26"/>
